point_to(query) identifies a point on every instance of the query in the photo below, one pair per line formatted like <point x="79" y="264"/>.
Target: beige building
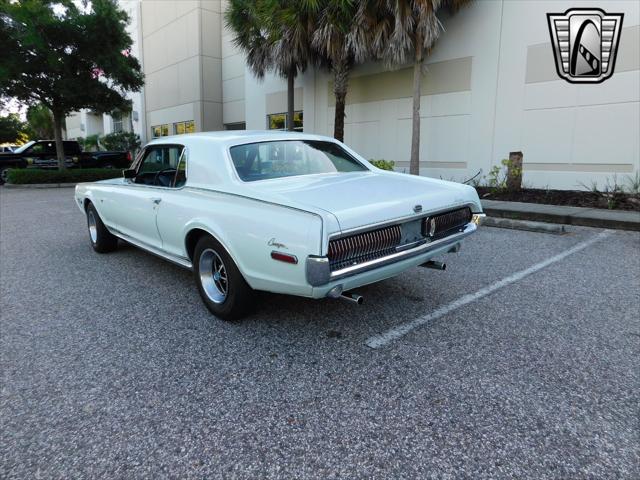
<point x="491" y="87"/>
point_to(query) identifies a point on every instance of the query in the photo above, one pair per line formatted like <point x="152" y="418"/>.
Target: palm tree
<point x="336" y="37"/>
<point x="247" y="19"/>
<point x="275" y="35"/>
<point x="414" y="32"/>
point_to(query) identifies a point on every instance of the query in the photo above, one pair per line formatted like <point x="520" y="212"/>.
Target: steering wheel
<point x="161" y="172"/>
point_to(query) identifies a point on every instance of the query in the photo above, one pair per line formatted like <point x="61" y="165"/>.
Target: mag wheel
<point x="221" y="285"/>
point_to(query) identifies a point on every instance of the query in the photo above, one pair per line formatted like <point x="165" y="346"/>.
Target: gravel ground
<point x="112" y="367"/>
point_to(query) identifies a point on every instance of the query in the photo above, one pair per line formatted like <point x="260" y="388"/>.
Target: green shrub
<point x="383" y="164"/>
<point x="23" y="176"/>
<point x="122" y="141"/>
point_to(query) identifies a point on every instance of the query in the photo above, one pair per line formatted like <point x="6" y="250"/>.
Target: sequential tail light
<point x="284" y="257"/>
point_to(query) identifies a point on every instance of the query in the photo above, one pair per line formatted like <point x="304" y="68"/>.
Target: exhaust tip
<point x="435" y="265"/>
<point x="353" y="297"/>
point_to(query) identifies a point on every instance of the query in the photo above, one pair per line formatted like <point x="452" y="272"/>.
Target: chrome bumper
<point x="319" y="271"/>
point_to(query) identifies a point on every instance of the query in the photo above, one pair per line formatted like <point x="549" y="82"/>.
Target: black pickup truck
<point x="42" y="154"/>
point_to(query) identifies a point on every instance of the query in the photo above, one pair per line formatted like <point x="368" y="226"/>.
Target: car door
<point x="131" y="208"/>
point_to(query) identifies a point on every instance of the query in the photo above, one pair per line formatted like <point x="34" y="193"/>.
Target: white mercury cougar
<point x="281" y="212"/>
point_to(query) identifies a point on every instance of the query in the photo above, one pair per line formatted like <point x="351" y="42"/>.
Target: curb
<point x="586" y="217"/>
<point x="40" y="185"/>
<point x="540" y="227"/>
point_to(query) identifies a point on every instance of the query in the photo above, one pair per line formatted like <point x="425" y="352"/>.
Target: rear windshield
<point x="264" y="160"/>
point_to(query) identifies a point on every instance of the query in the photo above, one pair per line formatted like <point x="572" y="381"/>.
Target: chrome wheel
<point x="213" y="276"/>
<point x="4" y="175"/>
<point x="93" y="228"/>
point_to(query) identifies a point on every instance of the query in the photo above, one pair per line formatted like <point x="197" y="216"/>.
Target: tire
<point x="102" y="240"/>
<point x="228" y="296"/>
<point x="3" y="175"/>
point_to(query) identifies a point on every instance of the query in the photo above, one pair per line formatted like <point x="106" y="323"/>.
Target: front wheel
<point x="102" y="240"/>
<point x="222" y="287"/>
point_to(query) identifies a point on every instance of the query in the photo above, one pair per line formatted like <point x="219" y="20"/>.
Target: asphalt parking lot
<point x="112" y="367"/>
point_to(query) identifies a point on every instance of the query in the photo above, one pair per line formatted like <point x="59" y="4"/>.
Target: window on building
<point x="279" y="121"/>
<point x="120" y="122"/>
<point x="160" y="131"/>
<point x="188" y="126"/>
<point x="235" y="126"/>
<point x="297" y="121"/>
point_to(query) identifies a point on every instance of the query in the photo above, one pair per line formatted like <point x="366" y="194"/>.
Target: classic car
<point x="42" y="154"/>
<point x="280" y="212"/>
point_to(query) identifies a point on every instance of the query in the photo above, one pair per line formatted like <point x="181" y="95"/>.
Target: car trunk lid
<point x="362" y="198"/>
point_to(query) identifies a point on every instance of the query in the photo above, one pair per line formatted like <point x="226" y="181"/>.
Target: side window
<point x="48" y="148"/>
<point x="159" y="165"/>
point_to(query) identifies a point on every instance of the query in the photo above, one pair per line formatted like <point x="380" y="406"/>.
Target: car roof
<point x="230" y="137"/>
<point x="205" y="169"/>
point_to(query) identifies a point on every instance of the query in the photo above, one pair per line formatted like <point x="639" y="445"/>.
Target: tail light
<point x="284" y="257"/>
<point x="129" y="159"/>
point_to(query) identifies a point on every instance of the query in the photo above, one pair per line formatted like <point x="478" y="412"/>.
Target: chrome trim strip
<point x="404" y="254"/>
<point x="181" y="261"/>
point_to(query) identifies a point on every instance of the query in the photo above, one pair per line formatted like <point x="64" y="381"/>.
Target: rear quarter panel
<point x="245" y="227"/>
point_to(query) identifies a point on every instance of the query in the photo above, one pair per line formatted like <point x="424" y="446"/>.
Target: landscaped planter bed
<point x="573" y="198"/>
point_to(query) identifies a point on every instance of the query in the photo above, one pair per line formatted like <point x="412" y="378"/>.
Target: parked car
<point x="42" y="154"/>
<point x="281" y="212"/>
<point x="7" y="148"/>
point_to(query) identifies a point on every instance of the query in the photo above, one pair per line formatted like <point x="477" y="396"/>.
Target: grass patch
<point x="24" y="176"/>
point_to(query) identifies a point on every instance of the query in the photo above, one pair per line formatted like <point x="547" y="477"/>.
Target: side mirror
<point x="129" y="173"/>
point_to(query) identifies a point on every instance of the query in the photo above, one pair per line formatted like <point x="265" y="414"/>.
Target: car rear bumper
<point x="322" y="279"/>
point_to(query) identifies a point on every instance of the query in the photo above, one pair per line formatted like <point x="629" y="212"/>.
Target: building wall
<point x="181" y="47"/>
<point x="83" y="124"/>
<point x="490" y="87"/>
<point x="233" y="77"/>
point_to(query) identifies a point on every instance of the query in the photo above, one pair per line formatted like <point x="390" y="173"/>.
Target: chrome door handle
<point x="156" y="200"/>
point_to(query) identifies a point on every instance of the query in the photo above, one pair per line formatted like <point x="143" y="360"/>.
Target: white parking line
<point x="383" y="339"/>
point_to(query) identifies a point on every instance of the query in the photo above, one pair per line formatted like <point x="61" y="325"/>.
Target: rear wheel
<point x="221" y="285"/>
<point x="102" y="240"/>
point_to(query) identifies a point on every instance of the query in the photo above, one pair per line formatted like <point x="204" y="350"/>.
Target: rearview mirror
<point x="129" y="173"/>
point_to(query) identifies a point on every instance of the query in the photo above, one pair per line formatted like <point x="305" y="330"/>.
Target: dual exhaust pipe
<point x="336" y="292"/>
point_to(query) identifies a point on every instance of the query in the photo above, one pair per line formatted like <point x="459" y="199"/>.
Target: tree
<point x="274" y="35"/>
<point x="346" y="34"/>
<point x="124" y="141"/>
<point x="11" y="128"/>
<point x="40" y="122"/>
<point x="90" y="143"/>
<point x="410" y="38"/>
<point x="67" y="56"/>
<point x="335" y="38"/>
